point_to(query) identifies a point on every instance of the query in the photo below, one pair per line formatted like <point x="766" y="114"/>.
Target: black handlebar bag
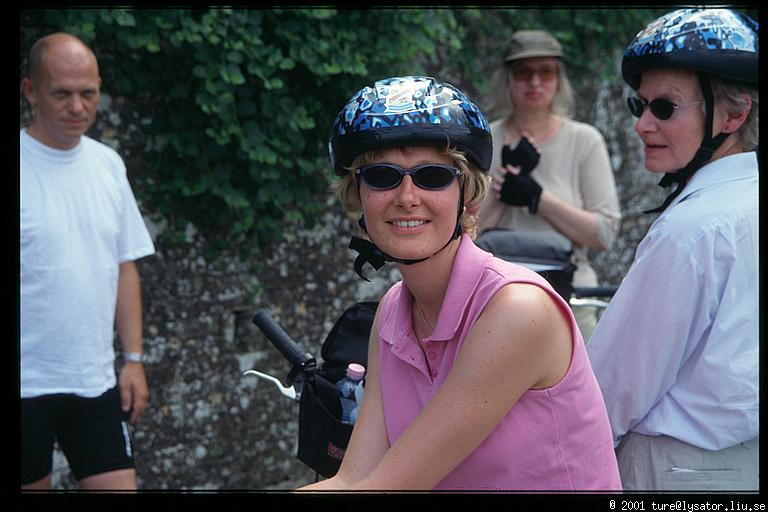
<point x="323" y="438"/>
<point x="545" y="252"/>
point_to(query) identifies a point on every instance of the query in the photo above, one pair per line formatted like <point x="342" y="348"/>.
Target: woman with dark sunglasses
<point x="676" y="352"/>
<point x="477" y="373"/>
<point x="550" y="173"/>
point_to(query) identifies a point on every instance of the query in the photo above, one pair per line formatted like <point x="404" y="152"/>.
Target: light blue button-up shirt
<point x="676" y="352"/>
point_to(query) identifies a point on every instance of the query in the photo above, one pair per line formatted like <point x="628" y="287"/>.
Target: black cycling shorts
<point x="93" y="433"/>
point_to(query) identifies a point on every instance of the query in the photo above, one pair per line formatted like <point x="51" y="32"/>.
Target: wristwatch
<point x="134" y="357"/>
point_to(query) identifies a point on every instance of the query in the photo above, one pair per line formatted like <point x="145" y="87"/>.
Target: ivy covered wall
<point x="222" y="116"/>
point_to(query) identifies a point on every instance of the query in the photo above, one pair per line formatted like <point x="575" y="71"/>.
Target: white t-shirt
<point x="78" y="221"/>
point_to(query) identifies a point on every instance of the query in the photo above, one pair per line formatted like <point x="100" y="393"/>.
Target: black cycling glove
<point x="523" y="156"/>
<point x="521" y="190"/>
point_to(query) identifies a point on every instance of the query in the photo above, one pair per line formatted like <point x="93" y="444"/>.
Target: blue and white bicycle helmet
<point x="409" y="110"/>
<point x="717" y="43"/>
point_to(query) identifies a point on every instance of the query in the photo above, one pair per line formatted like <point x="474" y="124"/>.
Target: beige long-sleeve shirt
<point x="574" y="166"/>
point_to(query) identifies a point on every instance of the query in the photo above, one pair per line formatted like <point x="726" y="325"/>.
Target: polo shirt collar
<point x="466" y="273"/>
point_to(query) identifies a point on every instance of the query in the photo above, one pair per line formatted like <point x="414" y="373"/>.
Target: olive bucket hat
<point x="532" y="43"/>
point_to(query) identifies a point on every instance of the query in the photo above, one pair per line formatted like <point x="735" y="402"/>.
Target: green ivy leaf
<point x="235" y="77"/>
<point x="232" y="100"/>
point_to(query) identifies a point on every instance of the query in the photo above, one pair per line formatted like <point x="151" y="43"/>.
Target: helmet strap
<point x="703" y="155"/>
<point x="368" y="252"/>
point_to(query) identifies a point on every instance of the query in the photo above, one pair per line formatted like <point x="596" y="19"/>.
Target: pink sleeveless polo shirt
<point x="557" y="438"/>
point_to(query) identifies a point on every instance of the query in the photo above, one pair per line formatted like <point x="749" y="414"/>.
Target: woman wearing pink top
<point x="477" y="374"/>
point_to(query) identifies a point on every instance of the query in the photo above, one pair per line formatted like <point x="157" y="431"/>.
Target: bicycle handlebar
<point x="596" y="291"/>
<point x="300" y="361"/>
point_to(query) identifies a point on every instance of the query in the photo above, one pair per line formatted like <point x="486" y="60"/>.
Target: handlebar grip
<point x="281" y="340"/>
<point x="596" y="291"/>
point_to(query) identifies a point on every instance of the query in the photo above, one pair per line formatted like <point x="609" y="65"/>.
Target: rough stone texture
<point x="637" y="189"/>
<point x="206" y="425"/>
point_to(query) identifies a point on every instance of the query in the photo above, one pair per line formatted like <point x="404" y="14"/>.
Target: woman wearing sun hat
<point x="550" y="172"/>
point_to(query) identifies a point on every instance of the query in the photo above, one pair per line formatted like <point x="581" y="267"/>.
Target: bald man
<point x="81" y="232"/>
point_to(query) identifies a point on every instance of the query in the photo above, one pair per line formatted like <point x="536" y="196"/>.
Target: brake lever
<point x="288" y="391"/>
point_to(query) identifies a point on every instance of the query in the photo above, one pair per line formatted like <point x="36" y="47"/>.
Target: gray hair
<point x="731" y="96"/>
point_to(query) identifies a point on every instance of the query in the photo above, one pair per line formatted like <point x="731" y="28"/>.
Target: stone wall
<point x="206" y="425"/>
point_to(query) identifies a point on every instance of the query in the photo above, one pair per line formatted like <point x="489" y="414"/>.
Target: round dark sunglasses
<point x="660" y="108"/>
<point x="389" y="176"/>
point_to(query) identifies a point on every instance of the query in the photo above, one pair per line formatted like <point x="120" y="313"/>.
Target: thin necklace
<point x="423" y="317"/>
<point x="419" y="341"/>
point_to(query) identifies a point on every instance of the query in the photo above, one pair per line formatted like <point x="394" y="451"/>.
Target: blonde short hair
<point x="474" y="181"/>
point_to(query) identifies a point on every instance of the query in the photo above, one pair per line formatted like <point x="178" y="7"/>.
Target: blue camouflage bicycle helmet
<point x="409" y="110"/>
<point x="717" y="43"/>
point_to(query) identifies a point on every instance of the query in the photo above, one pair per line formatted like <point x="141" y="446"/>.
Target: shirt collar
<point x="729" y="168"/>
<point x="51" y="153"/>
<point x="468" y="268"/>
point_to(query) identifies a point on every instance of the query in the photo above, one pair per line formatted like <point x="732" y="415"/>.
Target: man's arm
<point x="132" y="381"/>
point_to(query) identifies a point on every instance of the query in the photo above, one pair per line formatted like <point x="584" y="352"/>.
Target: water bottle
<point x="347" y="387"/>
<point x="359" y="393"/>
